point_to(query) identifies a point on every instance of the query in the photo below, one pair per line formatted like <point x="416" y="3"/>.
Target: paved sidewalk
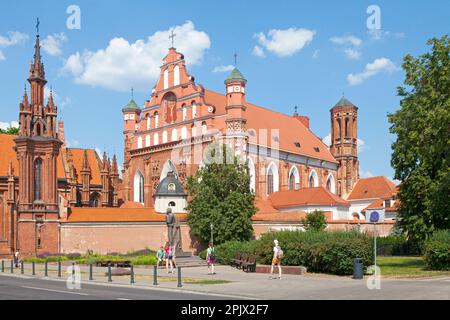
<point x="258" y="286"/>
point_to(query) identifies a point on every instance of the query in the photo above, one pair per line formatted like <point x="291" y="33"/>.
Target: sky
<point x="293" y="53"/>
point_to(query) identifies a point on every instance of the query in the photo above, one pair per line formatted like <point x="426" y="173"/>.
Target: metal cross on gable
<point x="172" y="36"/>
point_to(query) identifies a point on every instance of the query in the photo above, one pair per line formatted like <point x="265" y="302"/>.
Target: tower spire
<point x="37" y="46"/>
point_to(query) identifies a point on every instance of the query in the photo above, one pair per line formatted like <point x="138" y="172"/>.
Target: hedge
<point x="397" y="246"/>
<point x="437" y="251"/>
<point x="327" y="252"/>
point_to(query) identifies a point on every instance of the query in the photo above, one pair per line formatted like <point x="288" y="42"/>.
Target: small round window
<point x="171" y="187"/>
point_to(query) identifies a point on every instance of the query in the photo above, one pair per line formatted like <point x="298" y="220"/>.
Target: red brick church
<point x="59" y="199"/>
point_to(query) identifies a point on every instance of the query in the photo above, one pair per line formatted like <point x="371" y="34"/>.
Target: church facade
<point x="175" y="126"/>
<point x="55" y="199"/>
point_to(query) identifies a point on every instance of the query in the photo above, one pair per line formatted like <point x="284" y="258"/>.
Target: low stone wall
<point x="123" y="237"/>
<point x="298" y="270"/>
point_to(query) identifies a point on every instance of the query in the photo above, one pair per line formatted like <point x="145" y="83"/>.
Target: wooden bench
<point x="250" y="264"/>
<point x="236" y="261"/>
<point x="117" y="264"/>
<point x="241" y="261"/>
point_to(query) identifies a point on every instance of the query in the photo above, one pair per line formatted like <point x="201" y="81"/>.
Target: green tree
<point x="421" y="152"/>
<point x="10" y="130"/>
<point x="315" y="221"/>
<point x="220" y="194"/>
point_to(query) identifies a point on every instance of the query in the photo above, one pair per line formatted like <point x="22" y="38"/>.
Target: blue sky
<point x="291" y="52"/>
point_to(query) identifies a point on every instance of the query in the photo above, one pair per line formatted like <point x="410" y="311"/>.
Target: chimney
<point x="304" y="120"/>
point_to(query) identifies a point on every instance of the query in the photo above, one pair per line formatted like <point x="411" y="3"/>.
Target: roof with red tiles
<point x="374" y="187"/>
<point x="305" y="197"/>
<point x="291" y="129"/>
<point x="94" y="160"/>
<point x="118" y="215"/>
<point x="7" y="154"/>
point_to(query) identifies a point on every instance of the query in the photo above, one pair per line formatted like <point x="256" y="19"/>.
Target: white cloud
<point x="60" y="102"/>
<point x="72" y="143"/>
<point x="223" y="68"/>
<point x="284" y="43"/>
<point x="316" y="54"/>
<point x="371" y="69"/>
<point x="361" y="145"/>
<point x="122" y="64"/>
<point x="327" y="139"/>
<point x="259" y="52"/>
<point x="366" y="174"/>
<point x="6" y="125"/>
<point x="99" y="152"/>
<point x="13" y="38"/>
<point x="352" y="53"/>
<point x="347" y="39"/>
<point x="376" y="34"/>
<point x="53" y="43"/>
<point x="351" y="45"/>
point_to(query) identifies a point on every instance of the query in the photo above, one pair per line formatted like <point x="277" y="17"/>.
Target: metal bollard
<point x="155" y="275"/>
<point x="90" y="272"/>
<point x="73" y="272"/>
<point x="12" y="266"/>
<point x="33" y="268"/>
<point x="59" y="269"/>
<point x="46" y="269"/>
<point x="132" y="274"/>
<point x="3" y="266"/>
<point x="179" y="277"/>
<point x="21" y="267"/>
<point x="109" y="273"/>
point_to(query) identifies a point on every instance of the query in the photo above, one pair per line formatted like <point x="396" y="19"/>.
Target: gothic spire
<point x="37" y="46"/>
<point x="114" y="165"/>
<point x="85" y="162"/>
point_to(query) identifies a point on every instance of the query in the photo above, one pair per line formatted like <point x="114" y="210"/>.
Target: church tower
<point x="344" y="144"/>
<point x="235" y="107"/>
<point x="37" y="148"/>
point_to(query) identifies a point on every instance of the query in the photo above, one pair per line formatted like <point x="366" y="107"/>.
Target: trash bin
<point x="358" y="268"/>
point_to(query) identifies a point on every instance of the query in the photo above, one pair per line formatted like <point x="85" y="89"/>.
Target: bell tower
<point x="235" y="107"/>
<point x="37" y="148"/>
<point x="344" y="144"/>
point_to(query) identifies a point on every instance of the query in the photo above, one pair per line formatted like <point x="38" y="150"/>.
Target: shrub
<point x="437" y="251"/>
<point x="315" y="221"/>
<point x="397" y="246"/>
<point x="328" y="252"/>
<point x="225" y="252"/>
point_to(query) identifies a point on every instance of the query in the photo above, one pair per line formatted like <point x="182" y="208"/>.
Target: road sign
<point x="374" y="216"/>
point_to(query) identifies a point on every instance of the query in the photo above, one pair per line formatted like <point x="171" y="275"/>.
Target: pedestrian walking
<point x="276" y="260"/>
<point x="210" y="258"/>
<point x="170" y="258"/>
<point x="16" y="258"/>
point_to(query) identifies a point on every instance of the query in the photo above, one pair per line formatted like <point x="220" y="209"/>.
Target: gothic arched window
<point x="294" y="178"/>
<point x="139" y="143"/>
<point x="331" y="185"/>
<point x="147" y="140"/>
<point x="174" y="135"/>
<point x="176" y="75"/>
<point x="251" y="172"/>
<point x="169" y="105"/>
<point x="166" y="79"/>
<point x="38" y="179"/>
<point x="204" y="128"/>
<point x="156" y="119"/>
<point x="184" y="110"/>
<point x="272" y="178"/>
<point x="313" y="181"/>
<point x="94" y="200"/>
<point x="138" y="187"/>
<point x="194" y="110"/>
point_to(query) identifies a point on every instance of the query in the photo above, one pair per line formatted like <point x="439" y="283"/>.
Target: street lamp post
<point x="212" y="227"/>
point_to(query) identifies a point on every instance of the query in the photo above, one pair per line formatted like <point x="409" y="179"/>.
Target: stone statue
<point x="174" y="233"/>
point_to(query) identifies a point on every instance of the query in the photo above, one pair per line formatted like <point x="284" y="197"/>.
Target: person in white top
<point x="276" y="260"/>
<point x="16" y="258"/>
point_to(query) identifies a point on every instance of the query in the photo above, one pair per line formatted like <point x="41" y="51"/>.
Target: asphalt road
<point x="25" y="288"/>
